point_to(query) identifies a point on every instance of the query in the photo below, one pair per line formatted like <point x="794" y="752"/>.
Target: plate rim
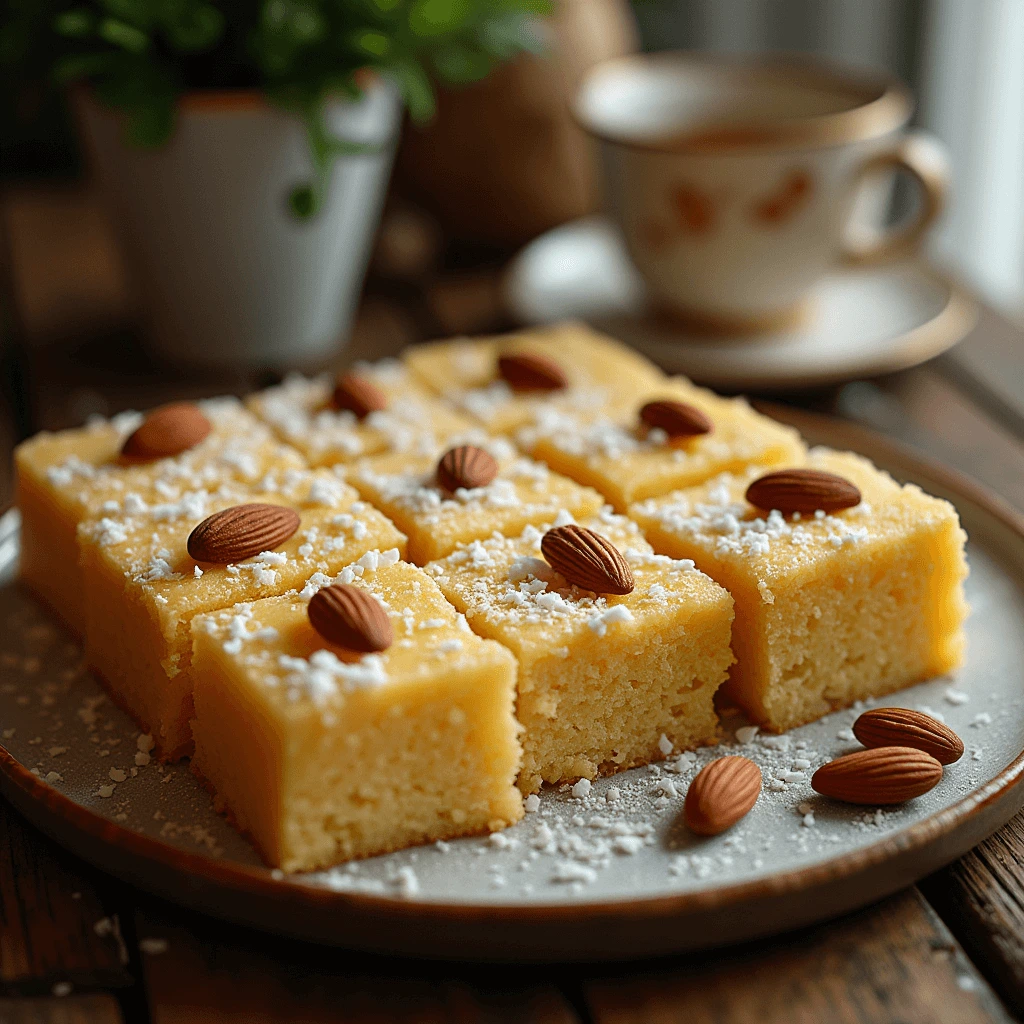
<point x="69" y="823"/>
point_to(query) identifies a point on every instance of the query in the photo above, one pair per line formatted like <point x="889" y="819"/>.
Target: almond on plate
<point x="904" y="727"/>
<point x="722" y="793"/>
<point x="677" y="419"/>
<point x="884" y="775"/>
<point x="358" y="395"/>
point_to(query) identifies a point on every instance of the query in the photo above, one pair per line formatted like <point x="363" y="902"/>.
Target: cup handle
<point x="924" y="158"/>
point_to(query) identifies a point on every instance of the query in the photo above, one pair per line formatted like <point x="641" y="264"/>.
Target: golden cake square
<point x="605" y="680"/>
<point x="503" y="382"/>
<point x="437" y="514"/>
<point x="321" y="754"/>
<point x="628" y="459"/>
<point x="66" y="477"/>
<point x="830" y="607"/>
<point x="376" y="408"/>
<point x="143" y="586"/>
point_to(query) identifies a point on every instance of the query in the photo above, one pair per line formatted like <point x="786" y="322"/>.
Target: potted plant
<point x="244" y="146"/>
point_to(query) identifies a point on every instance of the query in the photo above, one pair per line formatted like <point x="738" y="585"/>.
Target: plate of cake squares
<point x="511" y="648"/>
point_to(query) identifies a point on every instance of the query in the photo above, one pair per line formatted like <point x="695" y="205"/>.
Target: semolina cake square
<point x="601" y="374"/>
<point x="525" y="492"/>
<point x="321" y="757"/>
<point x="627" y="461"/>
<point x="602" y="678"/>
<point x="142" y="588"/>
<point x="302" y="412"/>
<point x="830" y="609"/>
<point x="66" y="477"/>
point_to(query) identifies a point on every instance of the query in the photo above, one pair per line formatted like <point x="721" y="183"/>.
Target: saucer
<point x="863" y="322"/>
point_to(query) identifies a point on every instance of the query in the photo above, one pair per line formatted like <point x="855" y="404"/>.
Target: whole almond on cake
<point x="529" y="371"/>
<point x="677" y="419"/>
<point x="884" y="775"/>
<point x="350" y="617"/>
<point x="587" y="560"/>
<point x="904" y="727"/>
<point x="358" y="395"/>
<point x="722" y="793"/>
<point x="242" y="531"/>
<point x="169" y="430"/>
<point x="803" y="490"/>
<point x="466" y="467"/>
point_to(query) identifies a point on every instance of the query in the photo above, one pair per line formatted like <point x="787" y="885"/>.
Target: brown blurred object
<point x="504" y="161"/>
<point x="409" y="244"/>
<point x="466" y="303"/>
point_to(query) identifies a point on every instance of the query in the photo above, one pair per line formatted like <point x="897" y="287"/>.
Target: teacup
<point x="739" y="184"/>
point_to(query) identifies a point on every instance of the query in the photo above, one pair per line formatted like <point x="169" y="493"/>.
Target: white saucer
<point x="864" y="322"/>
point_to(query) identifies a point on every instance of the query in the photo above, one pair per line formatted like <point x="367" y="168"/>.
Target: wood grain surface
<point x="90" y="1009"/>
<point x="893" y="962"/>
<point x="198" y="971"/>
<point x="981" y="897"/>
<point x="55" y="924"/>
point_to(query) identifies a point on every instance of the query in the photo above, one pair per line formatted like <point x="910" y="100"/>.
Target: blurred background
<point x="496" y="165"/>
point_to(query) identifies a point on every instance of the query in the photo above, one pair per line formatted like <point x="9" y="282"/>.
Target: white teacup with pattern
<point x="735" y="183"/>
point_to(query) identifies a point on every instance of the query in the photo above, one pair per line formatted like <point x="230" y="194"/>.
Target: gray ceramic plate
<point x="609" y="873"/>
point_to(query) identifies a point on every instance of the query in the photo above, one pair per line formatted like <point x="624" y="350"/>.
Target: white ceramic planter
<point x="224" y="273"/>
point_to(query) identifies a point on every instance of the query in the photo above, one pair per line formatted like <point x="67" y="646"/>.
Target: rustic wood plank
<point x="57" y="923"/>
<point x="981" y="897"/>
<point x="925" y="409"/>
<point x="988" y="362"/>
<point x="893" y="962"/>
<point x="197" y="971"/>
<point x="91" y="1009"/>
<point x="67" y="273"/>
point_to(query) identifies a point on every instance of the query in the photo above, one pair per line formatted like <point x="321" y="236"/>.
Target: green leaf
<point x="303" y="202"/>
<point x="197" y="28"/>
<point x="81" y="65"/>
<point x="372" y="43"/>
<point x="74" y="23"/>
<point x="505" y="37"/>
<point x="416" y="89"/>
<point x="459" y="65"/>
<point x="128" y="37"/>
<point x="437" y="17"/>
<point x="152" y="125"/>
<point x="133" y="12"/>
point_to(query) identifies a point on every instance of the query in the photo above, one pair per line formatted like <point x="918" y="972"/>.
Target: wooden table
<point x="77" y="946"/>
